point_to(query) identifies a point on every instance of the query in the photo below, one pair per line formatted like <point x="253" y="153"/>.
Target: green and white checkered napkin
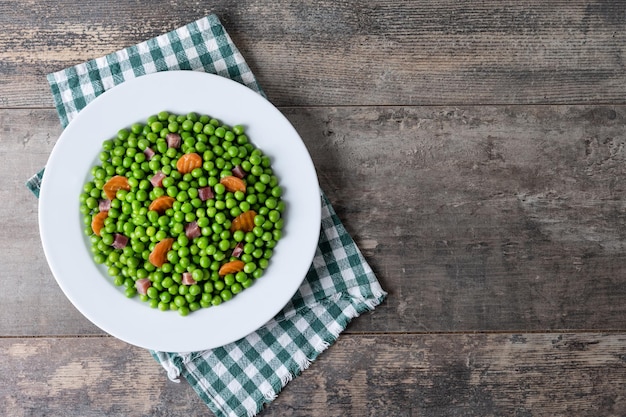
<point x="239" y="378"/>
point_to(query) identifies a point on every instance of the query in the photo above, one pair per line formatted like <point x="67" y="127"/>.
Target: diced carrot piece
<point x="97" y="221"/>
<point x="233" y="184"/>
<point x="188" y="163"/>
<point x="160" y="204"/>
<point x="158" y="256"/>
<point x="245" y="221"/>
<point x="231" y="267"/>
<point x="116" y="183"/>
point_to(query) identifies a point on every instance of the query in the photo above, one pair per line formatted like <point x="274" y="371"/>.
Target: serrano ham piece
<point x="187" y="279"/>
<point x="142" y="285"/>
<point x="192" y="230"/>
<point x="149" y="153"/>
<point x="173" y="140"/>
<point x="238" y="250"/>
<point x="120" y="241"/>
<point x="104" y="205"/>
<point x="205" y="193"/>
<point x="238" y="172"/>
<point x="157" y="179"/>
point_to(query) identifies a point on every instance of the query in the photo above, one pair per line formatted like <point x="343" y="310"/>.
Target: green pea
<point x="273" y="216"/>
<point x="217" y="228"/>
<point x="187" y="125"/>
<point x="263" y="263"/>
<point x="260" y="187"/>
<point x="229" y="279"/>
<point x="220" y="132"/>
<point x="197" y="275"/>
<point x="208" y="287"/>
<point x="271" y="203"/>
<point x="173" y="289"/>
<point x="236" y="288"/>
<point x="182" y="196"/>
<point x="186" y="208"/>
<point x="249" y="247"/>
<point x="238" y="235"/>
<point x="195" y="201"/>
<point x="184" y="251"/>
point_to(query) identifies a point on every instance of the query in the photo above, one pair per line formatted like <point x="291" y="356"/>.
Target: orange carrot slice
<point x="245" y="221"/>
<point x="231" y="267"/>
<point x="188" y="163"/>
<point x="97" y="221"/>
<point x="233" y="184"/>
<point x="158" y="256"/>
<point x="116" y="183"/>
<point x="160" y="204"/>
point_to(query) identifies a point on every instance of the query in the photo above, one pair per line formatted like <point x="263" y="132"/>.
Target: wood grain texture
<point x="474" y="150"/>
<point x="34" y="304"/>
<point x="399" y="375"/>
<point x="97" y="376"/>
<point x="474" y="218"/>
<point x="481" y="218"/>
<point x="348" y="52"/>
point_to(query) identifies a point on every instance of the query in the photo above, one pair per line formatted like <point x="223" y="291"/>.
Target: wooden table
<point x="475" y="150"/>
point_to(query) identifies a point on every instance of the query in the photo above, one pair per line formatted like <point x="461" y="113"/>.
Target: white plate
<point x="67" y="249"/>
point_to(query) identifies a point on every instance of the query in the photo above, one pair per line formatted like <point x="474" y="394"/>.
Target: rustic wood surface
<point x="412" y="375"/>
<point x="476" y="151"/>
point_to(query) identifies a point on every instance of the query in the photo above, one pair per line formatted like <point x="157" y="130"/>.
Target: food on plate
<point x="183" y="211"/>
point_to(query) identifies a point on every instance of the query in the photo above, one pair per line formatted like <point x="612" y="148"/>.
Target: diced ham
<point x="188" y="279"/>
<point x="238" y="250"/>
<point x="120" y="241"/>
<point x="149" y="153"/>
<point x="205" y="193"/>
<point x="173" y="140"/>
<point x="192" y="230"/>
<point x="142" y="285"/>
<point x="157" y="179"/>
<point x="238" y="172"/>
<point x="104" y="205"/>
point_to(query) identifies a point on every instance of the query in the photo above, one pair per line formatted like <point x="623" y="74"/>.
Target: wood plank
<point x="33" y="303"/>
<point x="96" y="376"/>
<point x="349" y="53"/>
<point x="474" y="218"/>
<point x="366" y="375"/>
<point x="481" y="218"/>
<point x="463" y="375"/>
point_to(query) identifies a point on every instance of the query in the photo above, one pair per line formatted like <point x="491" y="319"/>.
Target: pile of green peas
<point x="222" y="148"/>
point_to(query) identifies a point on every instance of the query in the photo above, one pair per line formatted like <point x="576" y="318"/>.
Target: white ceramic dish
<point x="67" y="249"/>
